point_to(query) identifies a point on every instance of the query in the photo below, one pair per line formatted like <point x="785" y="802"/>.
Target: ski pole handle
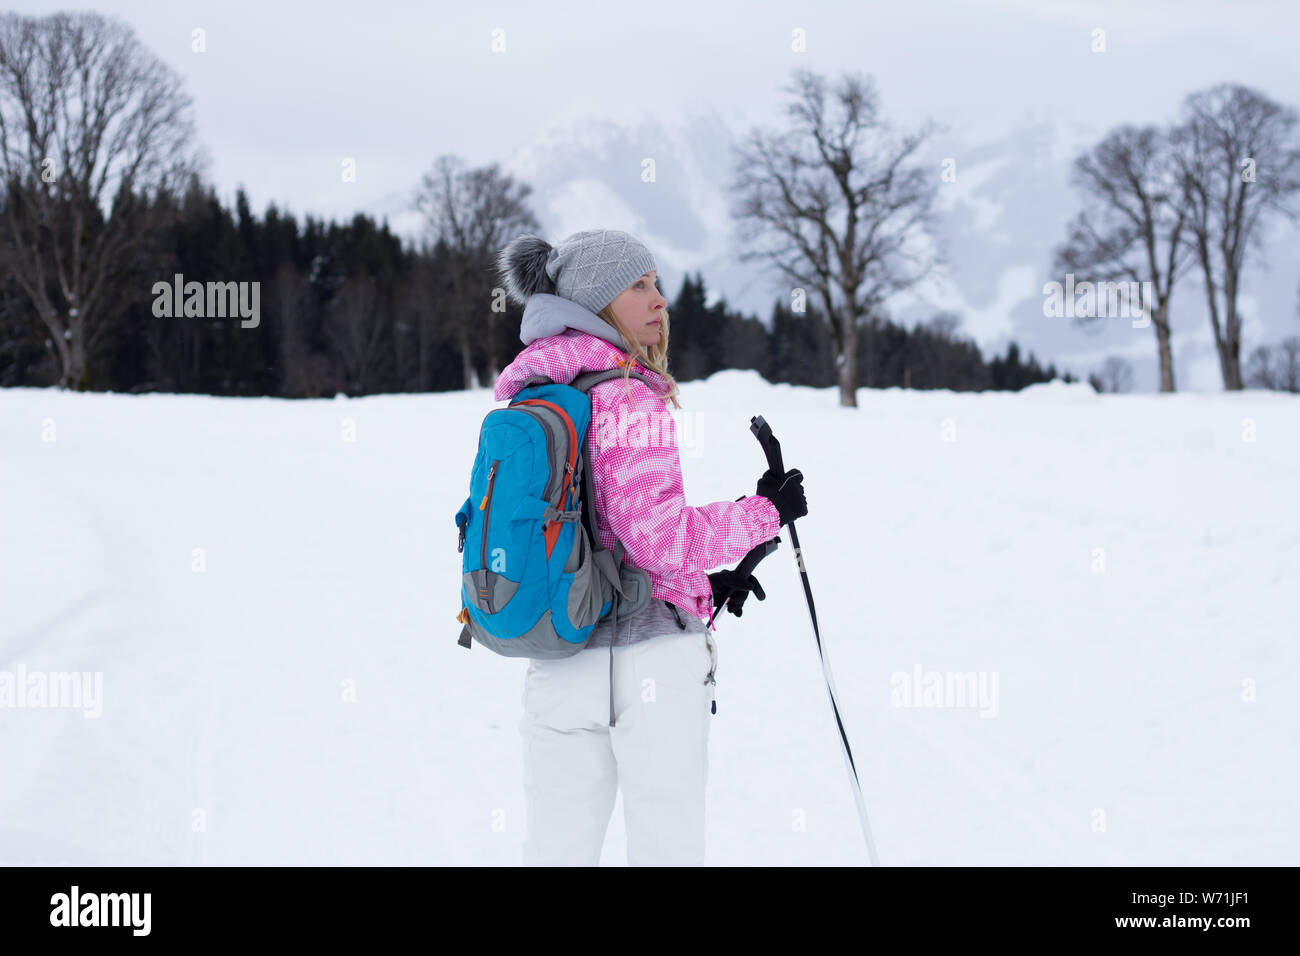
<point x="771" y="447"/>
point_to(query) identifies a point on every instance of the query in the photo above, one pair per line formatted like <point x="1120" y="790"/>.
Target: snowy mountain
<point x="999" y="223"/>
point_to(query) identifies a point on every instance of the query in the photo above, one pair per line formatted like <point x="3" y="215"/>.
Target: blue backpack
<point x="535" y="580"/>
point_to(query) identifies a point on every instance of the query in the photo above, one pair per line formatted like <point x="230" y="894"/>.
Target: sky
<point x="282" y="98"/>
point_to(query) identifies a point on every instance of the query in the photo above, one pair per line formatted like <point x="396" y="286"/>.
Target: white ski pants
<point x="657" y="752"/>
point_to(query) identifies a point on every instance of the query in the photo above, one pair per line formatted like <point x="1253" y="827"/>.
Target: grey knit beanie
<point x="590" y="268"/>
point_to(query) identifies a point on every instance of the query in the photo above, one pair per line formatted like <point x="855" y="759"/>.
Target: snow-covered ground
<point x="268" y="591"/>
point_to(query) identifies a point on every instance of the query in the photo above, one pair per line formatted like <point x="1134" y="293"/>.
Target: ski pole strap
<point x="757" y="554"/>
<point x="746" y="568"/>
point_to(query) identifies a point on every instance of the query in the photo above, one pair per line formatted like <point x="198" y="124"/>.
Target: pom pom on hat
<point x="590" y="267"/>
<point x="522" y="265"/>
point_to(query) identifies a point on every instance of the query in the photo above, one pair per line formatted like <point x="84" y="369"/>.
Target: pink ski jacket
<point x="635" y="461"/>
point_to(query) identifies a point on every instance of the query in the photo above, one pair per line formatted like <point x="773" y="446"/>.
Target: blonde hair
<point x="654" y="358"/>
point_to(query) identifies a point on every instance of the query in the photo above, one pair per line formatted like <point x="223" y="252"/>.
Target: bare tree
<point x="944" y="325"/>
<point x="1289" y="364"/>
<point x="1276" y="370"/>
<point x="420" y="326"/>
<point x="1239" y="162"/>
<point x="303" y="373"/>
<point x="938" y="363"/>
<point x="92" y="127"/>
<point x="472" y="213"/>
<point x="1259" y="368"/>
<point x="356" y="326"/>
<point x="1133" y="226"/>
<point x="833" y="207"/>
<point x="1116" y="375"/>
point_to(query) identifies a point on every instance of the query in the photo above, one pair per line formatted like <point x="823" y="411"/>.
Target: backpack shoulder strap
<point x="608" y="564"/>
<point x="535" y="380"/>
<point x="586" y="380"/>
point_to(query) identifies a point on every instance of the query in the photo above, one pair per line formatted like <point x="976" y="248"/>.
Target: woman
<point x="642" y="723"/>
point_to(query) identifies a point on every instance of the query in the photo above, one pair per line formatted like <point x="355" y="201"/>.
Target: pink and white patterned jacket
<point x="635" y="461"/>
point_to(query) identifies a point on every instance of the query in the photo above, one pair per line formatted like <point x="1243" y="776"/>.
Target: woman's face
<point x="639" y="307"/>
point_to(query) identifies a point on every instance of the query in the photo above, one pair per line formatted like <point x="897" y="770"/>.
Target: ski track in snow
<point x="304" y="690"/>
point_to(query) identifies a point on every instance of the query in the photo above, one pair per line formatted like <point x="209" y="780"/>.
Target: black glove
<point x="786" y="492"/>
<point x="729" y="582"/>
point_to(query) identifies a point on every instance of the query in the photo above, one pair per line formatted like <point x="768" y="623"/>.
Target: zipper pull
<point x="491" y="471"/>
<point x="710" y="679"/>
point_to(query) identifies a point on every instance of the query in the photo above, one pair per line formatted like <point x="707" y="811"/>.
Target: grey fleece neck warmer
<point x="547" y="314"/>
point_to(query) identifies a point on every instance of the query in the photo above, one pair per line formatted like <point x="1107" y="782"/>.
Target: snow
<point x="1143" y="705"/>
<point x="1059" y="391"/>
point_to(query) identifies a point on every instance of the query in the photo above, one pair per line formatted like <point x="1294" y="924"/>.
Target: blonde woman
<point x="636" y="717"/>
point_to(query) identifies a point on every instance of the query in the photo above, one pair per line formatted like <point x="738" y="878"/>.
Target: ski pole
<point x="772" y="449"/>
